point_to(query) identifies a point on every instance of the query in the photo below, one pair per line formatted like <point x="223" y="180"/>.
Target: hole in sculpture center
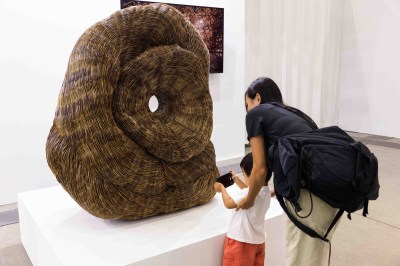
<point x="153" y="104"/>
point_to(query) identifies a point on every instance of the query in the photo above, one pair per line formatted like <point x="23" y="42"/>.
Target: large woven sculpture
<point x="114" y="156"/>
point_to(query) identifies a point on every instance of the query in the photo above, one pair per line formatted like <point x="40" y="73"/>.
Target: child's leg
<point x="260" y="255"/>
<point x="239" y="254"/>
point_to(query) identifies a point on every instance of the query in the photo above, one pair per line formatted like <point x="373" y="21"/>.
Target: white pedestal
<point x="55" y="230"/>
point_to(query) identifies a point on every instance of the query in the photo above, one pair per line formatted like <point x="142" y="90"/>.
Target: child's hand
<point x="235" y="177"/>
<point x="218" y="187"/>
<point x="237" y="180"/>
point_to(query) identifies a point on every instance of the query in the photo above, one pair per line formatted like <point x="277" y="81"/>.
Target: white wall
<point x="297" y="44"/>
<point x="37" y="38"/>
<point x="370" y="63"/>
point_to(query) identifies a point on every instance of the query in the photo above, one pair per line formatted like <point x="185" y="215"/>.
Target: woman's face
<point x="251" y="103"/>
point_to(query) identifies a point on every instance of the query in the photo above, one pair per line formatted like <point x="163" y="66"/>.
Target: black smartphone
<point x="226" y="180"/>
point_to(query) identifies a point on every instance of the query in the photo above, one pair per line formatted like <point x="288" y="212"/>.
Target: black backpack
<point x="329" y="164"/>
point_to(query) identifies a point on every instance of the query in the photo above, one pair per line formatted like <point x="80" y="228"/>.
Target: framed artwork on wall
<point x="209" y="21"/>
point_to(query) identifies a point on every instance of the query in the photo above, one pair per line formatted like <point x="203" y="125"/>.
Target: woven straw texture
<point x="114" y="156"/>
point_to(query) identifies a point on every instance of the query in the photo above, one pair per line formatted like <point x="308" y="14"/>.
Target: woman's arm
<point x="258" y="173"/>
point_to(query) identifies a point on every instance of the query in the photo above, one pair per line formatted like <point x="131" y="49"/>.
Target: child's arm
<point x="238" y="181"/>
<point x="228" y="202"/>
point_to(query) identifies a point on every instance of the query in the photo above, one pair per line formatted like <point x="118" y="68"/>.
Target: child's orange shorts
<point x="243" y="254"/>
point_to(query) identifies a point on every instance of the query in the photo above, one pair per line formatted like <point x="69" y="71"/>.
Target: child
<point x="245" y="241"/>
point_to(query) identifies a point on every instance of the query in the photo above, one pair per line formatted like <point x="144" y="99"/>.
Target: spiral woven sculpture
<point x="114" y="156"/>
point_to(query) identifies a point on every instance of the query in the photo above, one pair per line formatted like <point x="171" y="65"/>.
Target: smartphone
<point x="226" y="180"/>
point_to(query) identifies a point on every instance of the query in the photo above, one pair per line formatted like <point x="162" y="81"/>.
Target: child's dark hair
<point x="247" y="163"/>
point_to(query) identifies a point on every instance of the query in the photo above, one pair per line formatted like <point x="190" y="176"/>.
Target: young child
<point x="245" y="240"/>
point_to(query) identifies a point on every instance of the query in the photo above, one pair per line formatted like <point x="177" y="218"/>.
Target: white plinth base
<point x="55" y="230"/>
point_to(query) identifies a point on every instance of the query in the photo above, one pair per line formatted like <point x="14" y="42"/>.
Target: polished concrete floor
<point x="362" y="241"/>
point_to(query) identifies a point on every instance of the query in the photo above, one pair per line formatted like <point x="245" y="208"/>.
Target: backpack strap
<point x="337" y="217"/>
<point x="365" y="211"/>
<point x="296" y="111"/>
<point x="307" y="229"/>
<point x="301" y="226"/>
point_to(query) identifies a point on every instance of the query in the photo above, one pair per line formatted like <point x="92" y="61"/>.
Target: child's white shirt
<point x="248" y="225"/>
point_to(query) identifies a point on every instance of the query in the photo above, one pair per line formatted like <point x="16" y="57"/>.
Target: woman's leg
<point x="301" y="248"/>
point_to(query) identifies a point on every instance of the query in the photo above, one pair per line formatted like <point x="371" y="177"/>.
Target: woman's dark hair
<point x="267" y="89"/>
<point x="247" y="163"/>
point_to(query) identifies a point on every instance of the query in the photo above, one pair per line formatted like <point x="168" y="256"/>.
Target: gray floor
<point x="360" y="241"/>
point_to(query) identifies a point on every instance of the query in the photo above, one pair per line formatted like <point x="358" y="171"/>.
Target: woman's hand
<point x="218" y="187"/>
<point x="245" y="204"/>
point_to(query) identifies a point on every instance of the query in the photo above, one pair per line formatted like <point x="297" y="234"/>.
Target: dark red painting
<point x="209" y="21"/>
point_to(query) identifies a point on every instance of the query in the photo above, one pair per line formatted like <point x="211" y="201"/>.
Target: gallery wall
<point x="297" y="44"/>
<point x="369" y="78"/>
<point x="36" y="41"/>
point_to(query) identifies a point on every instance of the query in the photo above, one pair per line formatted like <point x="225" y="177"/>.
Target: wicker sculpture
<point x="114" y="156"/>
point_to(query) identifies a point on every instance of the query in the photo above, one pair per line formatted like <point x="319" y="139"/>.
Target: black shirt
<point x="272" y="122"/>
